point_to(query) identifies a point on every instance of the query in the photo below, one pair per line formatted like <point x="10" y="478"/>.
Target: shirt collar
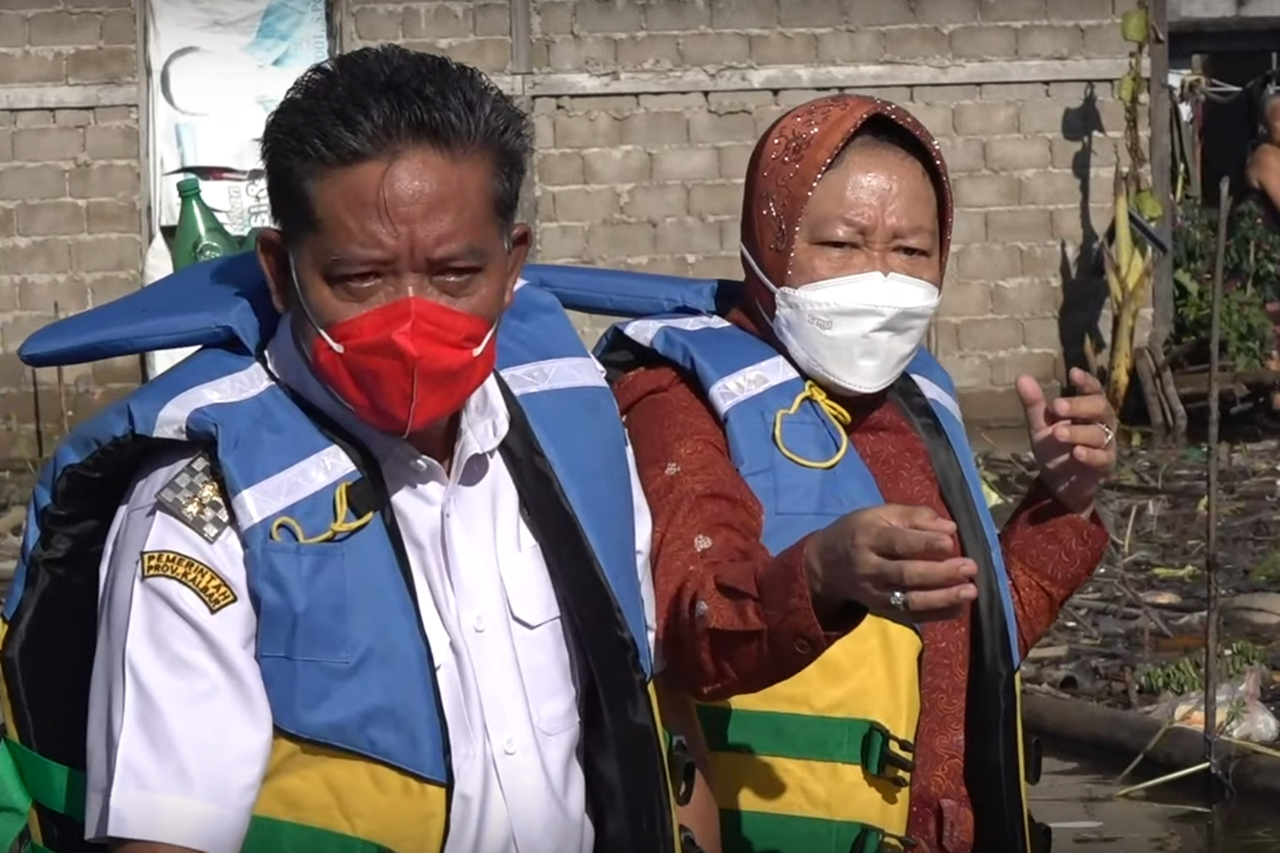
<point x="484" y="423"/>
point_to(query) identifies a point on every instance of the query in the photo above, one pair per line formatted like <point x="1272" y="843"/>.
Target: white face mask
<point x="854" y="334"/>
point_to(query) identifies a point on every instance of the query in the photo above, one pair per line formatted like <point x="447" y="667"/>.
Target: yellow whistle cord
<point x="833" y="410"/>
<point x="339" y="526"/>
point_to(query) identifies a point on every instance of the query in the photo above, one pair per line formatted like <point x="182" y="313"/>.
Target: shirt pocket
<point x="302" y="597"/>
<point x="540" y="637"/>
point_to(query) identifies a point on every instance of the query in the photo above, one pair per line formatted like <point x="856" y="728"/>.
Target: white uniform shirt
<point x="179" y="725"/>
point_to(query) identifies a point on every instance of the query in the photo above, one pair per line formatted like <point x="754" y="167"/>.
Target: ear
<point x="273" y="257"/>
<point x="521" y="241"/>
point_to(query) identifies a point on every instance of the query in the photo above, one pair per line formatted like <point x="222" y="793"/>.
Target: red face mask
<point x="407" y="364"/>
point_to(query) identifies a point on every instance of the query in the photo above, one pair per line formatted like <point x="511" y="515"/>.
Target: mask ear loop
<point x="306" y="309"/>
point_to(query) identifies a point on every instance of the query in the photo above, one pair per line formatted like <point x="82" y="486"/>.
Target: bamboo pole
<point x="1211" y="536"/>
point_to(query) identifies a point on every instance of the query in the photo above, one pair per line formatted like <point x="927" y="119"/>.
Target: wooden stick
<point x="1211" y="535"/>
<point x="1171" y="777"/>
<point x="62" y="387"/>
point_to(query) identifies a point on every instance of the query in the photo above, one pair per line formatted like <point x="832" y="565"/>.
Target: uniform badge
<point x="195" y="498"/>
<point x="215" y="592"/>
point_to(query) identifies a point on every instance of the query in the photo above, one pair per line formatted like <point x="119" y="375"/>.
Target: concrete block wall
<point x="69" y="199"/>
<point x="645" y="114"/>
<point x="652" y="179"/>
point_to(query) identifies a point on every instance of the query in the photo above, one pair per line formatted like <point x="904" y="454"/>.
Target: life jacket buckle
<point x="872" y="840"/>
<point x="688" y="843"/>
<point x="682" y="769"/>
<point x="881" y="760"/>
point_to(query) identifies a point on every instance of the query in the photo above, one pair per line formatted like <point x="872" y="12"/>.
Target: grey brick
<point x="978" y="191"/>
<point x="1026" y="299"/>
<point x="731" y="127"/>
<point x="487" y="54"/>
<point x="112" y="217"/>
<point x="916" y="43"/>
<point x="1022" y="225"/>
<point x="880" y="13"/>
<point x="26" y="67"/>
<point x="62" y="29"/>
<point x="37" y="257"/>
<point x="586" y="204"/>
<point x="734" y="160"/>
<point x="715" y="199"/>
<point x="968" y="371"/>
<point x="744" y="14"/>
<point x="492" y="19"/>
<point x="561" y="242"/>
<point x="985" y="118"/>
<point x="587" y="131"/>
<point x="619" y="240"/>
<point x="435" y="21"/>
<point x="781" y="48"/>
<point x="44" y="144"/>
<point x="962" y="154"/>
<point x="557" y="168"/>
<point x="32" y="182"/>
<point x="1012" y="154"/>
<point x="676" y="15"/>
<point x="102" y="65"/>
<point x="690" y="164"/>
<point x="33" y="118"/>
<point x="673" y="101"/>
<point x="687" y="236"/>
<point x="1049" y="188"/>
<point x="1079" y="10"/>
<point x="934" y="12"/>
<point x="582" y="53"/>
<point x="715" y="49"/>
<point x="606" y="16"/>
<point x="13" y="30"/>
<point x="616" y="166"/>
<point x="50" y="218"/>
<point x="111" y="142"/>
<point x="1013" y="91"/>
<point x="73" y="118"/>
<point x="649" y="51"/>
<point x="965" y="298"/>
<point x="1013" y="10"/>
<point x="850" y="47"/>
<point x="970" y="226"/>
<point x="944" y="94"/>
<point x="810" y="14"/>
<point x="991" y="335"/>
<point x="1105" y="40"/>
<point x="104" y="180"/>
<point x="106" y="254"/>
<point x="378" y="24"/>
<point x="553" y="19"/>
<point x="655" y="129"/>
<point x="989" y="42"/>
<point x="936" y="117"/>
<point x="655" y="201"/>
<point x="1052" y="42"/>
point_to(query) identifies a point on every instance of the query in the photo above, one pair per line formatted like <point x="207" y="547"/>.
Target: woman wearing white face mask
<point x="821" y="542"/>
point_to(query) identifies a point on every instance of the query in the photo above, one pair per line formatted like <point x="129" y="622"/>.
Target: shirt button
<point x="509" y="746"/>
<point x="418" y="464"/>
<point x="478" y="624"/>
<point x="803" y="647"/>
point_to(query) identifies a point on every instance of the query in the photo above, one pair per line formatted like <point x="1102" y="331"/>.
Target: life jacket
<point x="821" y="763"/>
<point x="360" y="760"/>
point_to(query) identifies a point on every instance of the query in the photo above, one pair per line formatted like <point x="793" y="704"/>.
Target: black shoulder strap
<point x="627" y="793"/>
<point x="992" y="765"/>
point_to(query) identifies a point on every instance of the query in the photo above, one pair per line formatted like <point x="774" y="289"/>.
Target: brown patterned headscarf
<point x="786" y="165"/>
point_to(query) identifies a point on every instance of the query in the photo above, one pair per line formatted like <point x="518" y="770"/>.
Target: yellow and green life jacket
<point x="822" y="762"/>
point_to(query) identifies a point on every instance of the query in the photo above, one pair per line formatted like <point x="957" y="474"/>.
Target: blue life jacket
<point x="748" y="383"/>
<point x="341" y="648"/>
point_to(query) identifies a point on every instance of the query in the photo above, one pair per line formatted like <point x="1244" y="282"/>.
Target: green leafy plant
<point x="1186" y="674"/>
<point x="1251" y="276"/>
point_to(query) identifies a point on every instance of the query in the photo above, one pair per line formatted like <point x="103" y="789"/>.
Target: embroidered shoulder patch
<point x="195" y="497"/>
<point x="191" y="573"/>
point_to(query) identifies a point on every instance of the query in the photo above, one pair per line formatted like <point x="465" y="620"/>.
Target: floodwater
<point x="1074" y="796"/>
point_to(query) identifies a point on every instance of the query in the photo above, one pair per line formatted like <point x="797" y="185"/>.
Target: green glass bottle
<point x="200" y="236"/>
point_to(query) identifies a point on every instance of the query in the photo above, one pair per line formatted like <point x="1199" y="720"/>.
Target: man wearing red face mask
<point x="378" y="579"/>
